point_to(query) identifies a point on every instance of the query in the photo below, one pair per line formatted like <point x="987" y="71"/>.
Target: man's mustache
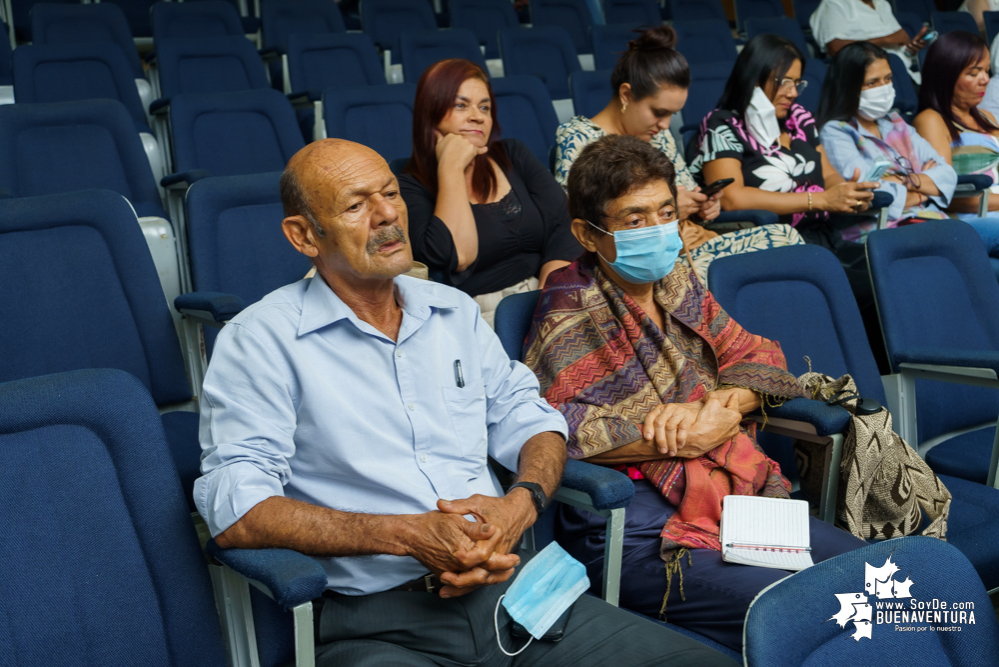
<point x="385" y="236"/>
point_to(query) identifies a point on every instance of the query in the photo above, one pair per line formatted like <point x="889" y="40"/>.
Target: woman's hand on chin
<point x="456" y="152"/>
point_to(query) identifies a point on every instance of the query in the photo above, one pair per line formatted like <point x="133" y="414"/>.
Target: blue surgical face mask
<point x="542" y="591"/>
<point x="645" y="255"/>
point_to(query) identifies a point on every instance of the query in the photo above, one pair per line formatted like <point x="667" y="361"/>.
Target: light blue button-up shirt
<point x="303" y="399"/>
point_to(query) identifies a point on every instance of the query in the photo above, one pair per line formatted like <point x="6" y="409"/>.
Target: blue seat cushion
<point x="971" y="526"/>
<point x="966" y="456"/>
<point x="181" y="430"/>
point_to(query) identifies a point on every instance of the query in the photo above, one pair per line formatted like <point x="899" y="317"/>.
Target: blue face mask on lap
<point x="543" y="590"/>
<point x="645" y="255"/>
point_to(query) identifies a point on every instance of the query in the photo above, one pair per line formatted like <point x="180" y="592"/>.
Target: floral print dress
<point x="723" y="134"/>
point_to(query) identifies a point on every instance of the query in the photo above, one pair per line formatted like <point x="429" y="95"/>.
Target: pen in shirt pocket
<point x="459" y="378"/>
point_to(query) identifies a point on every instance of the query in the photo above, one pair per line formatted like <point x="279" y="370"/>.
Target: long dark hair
<point x="651" y="62"/>
<point x="945" y="60"/>
<point x="435" y="95"/>
<point x="765" y="57"/>
<point x="844" y="80"/>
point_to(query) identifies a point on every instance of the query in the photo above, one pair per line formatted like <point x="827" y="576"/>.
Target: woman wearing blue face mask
<point x="654" y="379"/>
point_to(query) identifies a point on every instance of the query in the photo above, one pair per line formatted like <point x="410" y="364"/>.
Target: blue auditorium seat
<point x="227" y="134"/>
<point x="747" y="9"/>
<point x="81" y="71"/>
<point x="101" y="564"/>
<point x="815" y="75"/>
<point x="799" y="296"/>
<point x="284" y="18"/>
<point x="335" y="62"/>
<point x="66" y="146"/>
<point x="906" y="100"/>
<point x="195" y="20"/>
<point x="705" y="41"/>
<point x="546" y="52"/>
<point x="944" y="22"/>
<point x="696" y="10"/>
<point x="610" y="41"/>
<point x="217" y="65"/>
<point x="386" y="20"/>
<point x="937" y="572"/>
<point x="484" y="18"/>
<point x="707" y="82"/>
<point x="251" y="23"/>
<point x="591" y="91"/>
<point x="637" y="13"/>
<point x="419" y="50"/>
<point x="237" y="250"/>
<point x="922" y="8"/>
<point x="380" y="117"/>
<point x="573" y="16"/>
<point x="95" y="302"/>
<point x="938" y="303"/>
<point x="21" y="15"/>
<point x="525" y="112"/>
<point x="137" y="13"/>
<point x="786" y="27"/>
<point x="991" y="26"/>
<point x="803" y="10"/>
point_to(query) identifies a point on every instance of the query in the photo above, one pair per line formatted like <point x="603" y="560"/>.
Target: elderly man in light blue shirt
<point x="350" y="416"/>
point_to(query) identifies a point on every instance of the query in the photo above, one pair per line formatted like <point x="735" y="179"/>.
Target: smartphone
<point x="877" y="170"/>
<point x="716" y="186"/>
<point x="931" y="36"/>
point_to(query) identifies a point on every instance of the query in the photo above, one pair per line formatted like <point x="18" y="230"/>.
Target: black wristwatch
<point x="538" y="496"/>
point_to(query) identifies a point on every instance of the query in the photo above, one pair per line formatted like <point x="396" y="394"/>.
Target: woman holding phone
<point x="650" y="82"/>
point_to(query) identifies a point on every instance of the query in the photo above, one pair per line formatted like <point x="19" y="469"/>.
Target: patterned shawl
<point x="603" y="364"/>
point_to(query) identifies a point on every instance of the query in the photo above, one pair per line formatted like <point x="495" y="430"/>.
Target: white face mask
<point x="875" y="103"/>
<point x="761" y="117"/>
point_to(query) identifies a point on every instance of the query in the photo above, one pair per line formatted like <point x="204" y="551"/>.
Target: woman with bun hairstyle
<point x="484" y="214"/>
<point x="650" y="83"/>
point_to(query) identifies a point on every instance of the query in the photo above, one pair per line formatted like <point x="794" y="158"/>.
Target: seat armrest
<point x="972" y="184"/>
<point x="270" y="55"/>
<point x="184" y="179"/>
<point x="150" y="57"/>
<point x="881" y="200"/>
<point x="971" y="363"/>
<point x="291" y="578"/>
<point x="827" y="420"/>
<point x="607" y="488"/>
<point x="160" y="106"/>
<point x="222" y="307"/>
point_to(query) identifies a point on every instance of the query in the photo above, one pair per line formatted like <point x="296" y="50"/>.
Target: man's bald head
<point x="319" y="165"/>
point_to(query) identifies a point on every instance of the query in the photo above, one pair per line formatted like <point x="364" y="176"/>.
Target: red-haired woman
<point x="484" y="214"/>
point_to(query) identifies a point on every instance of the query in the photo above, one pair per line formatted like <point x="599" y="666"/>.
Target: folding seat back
<point x="61" y="147"/>
<point x="707" y="82"/>
<point x="637" y="13"/>
<point x="936" y="572"/>
<point x="420" y="50"/>
<point x="282" y="18"/>
<point x="386" y="20"/>
<point x="591" y="91"/>
<point x="217" y="65"/>
<point x="705" y="41"/>
<point x="991" y="25"/>
<point x="380" y="117"/>
<point x="938" y="303"/>
<point x="525" y="112"/>
<point x="21" y="15"/>
<point x="803" y="10"/>
<point x="573" y="16"/>
<point x="906" y="100"/>
<point x="748" y="9"/>
<point x="137" y="13"/>
<point x="334" y="62"/>
<point x="83" y="71"/>
<point x="777" y="25"/>
<point x="70" y="23"/>
<point x="815" y="75"/>
<point x="227" y="134"/>
<point x="546" y="52"/>
<point x="610" y="41"/>
<point x="951" y="21"/>
<point x="89" y="471"/>
<point x="484" y="18"/>
<point x="195" y="20"/>
<point x="696" y="10"/>
<point x="235" y="238"/>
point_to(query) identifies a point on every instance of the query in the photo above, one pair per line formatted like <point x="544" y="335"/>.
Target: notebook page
<point x="764" y="525"/>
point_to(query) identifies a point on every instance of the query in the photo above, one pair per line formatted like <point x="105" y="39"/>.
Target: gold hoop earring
<point x="624" y="107"/>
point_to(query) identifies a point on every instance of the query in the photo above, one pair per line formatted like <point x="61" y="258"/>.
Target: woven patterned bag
<point x="883" y="483"/>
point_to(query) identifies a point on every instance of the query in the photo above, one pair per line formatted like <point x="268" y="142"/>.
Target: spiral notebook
<point x="765" y="532"/>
